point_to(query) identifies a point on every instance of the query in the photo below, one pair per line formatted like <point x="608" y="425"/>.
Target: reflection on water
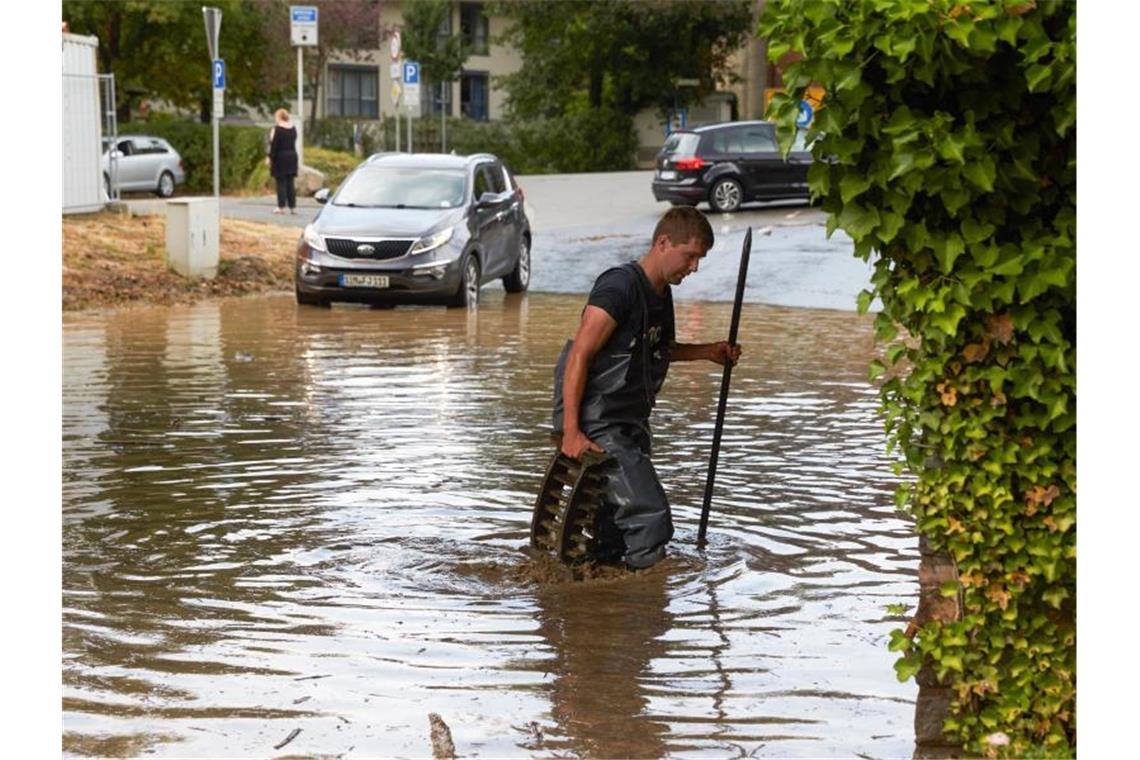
<point x="280" y="519"/>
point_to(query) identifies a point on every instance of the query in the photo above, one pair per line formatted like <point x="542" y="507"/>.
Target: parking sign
<point x="219" y="74"/>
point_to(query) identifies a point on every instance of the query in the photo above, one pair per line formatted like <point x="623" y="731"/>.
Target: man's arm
<point x="594" y="330"/>
<point x="718" y="352"/>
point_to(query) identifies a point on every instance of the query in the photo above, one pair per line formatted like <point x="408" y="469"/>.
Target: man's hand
<point x="721" y="352"/>
<point x="575" y="444"/>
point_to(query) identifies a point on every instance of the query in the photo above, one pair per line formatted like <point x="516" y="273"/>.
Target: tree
<point x="949" y="128"/>
<point x="440" y="56"/>
<point x="625" y="55"/>
<point x="160" y="49"/>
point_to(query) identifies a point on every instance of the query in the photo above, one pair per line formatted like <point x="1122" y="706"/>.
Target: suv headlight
<point x="431" y="242"/>
<point x="313" y="240"/>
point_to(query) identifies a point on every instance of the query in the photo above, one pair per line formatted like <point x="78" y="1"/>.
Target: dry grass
<point x="112" y="259"/>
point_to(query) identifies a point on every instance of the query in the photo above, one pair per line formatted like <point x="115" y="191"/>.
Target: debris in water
<point x="292" y="735"/>
<point x="441" y="745"/>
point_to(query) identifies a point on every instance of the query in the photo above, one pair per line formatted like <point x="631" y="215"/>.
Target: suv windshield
<point x="396" y="187"/>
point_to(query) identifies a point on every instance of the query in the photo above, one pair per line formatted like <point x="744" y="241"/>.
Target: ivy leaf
<point x="908" y="667"/>
<point x="863" y="301"/>
<point x="974" y="231"/>
<point x="947" y="321"/>
<point x="852" y="185"/>
<point x="876" y="370"/>
<point x="947" y="250"/>
<point x="981" y="173"/>
<point x="1036" y="77"/>
<point x="858" y="221"/>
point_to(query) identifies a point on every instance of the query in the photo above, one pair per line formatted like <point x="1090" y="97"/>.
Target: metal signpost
<point x="395" y="75"/>
<point x="302" y="33"/>
<point x="213" y="19"/>
<point x="219" y="114"/>
<point x="411" y="78"/>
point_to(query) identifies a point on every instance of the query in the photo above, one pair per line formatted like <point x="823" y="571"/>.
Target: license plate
<point x="363" y="281"/>
<point x="667" y="174"/>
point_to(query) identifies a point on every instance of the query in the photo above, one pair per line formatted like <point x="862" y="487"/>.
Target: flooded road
<point x="278" y="519"/>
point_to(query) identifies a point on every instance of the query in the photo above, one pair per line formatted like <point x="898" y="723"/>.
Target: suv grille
<point x="382" y="249"/>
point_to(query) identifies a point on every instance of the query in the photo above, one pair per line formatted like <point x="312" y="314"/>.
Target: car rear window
<point x="402" y="187"/>
<point x="684" y="143"/>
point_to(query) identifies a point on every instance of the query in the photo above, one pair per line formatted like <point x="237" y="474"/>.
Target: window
<point x="728" y="141"/>
<point x="149" y="145"/>
<point x="488" y="180"/>
<point x="759" y="140"/>
<point x="473" y="95"/>
<point x="352" y="91"/>
<point x="473" y="28"/>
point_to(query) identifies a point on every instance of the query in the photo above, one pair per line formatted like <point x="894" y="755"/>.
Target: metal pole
<point x="744" y="253"/>
<point x="411" y="149"/>
<point x="442" y="119"/>
<point x="300" y="107"/>
<point x="217" y="152"/>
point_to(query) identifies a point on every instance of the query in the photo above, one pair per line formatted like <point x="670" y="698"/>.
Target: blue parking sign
<point x="411" y="72"/>
<point x="219" y="74"/>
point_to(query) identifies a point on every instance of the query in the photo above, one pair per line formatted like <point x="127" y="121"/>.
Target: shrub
<point x="952" y="132"/>
<point x="240" y="149"/>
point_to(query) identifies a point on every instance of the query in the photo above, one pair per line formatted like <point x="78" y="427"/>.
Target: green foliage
<point x="241" y="149"/>
<point x="617" y="54"/>
<point x="590" y="140"/>
<point x="440" y="60"/>
<point x="952" y="126"/>
<point x="158" y="50"/>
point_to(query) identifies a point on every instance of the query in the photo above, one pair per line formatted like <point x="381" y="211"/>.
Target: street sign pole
<point x="213" y="19"/>
<point x="300" y="123"/>
<point x="303" y="22"/>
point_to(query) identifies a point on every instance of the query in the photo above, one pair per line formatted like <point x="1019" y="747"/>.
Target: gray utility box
<point x="192" y="236"/>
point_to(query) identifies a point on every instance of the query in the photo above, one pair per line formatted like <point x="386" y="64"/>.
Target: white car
<point x="141" y="162"/>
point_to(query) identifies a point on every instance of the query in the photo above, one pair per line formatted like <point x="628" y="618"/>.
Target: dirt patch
<point x="114" y="259"/>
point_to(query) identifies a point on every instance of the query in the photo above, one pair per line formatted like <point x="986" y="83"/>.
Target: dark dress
<point x="283" y="164"/>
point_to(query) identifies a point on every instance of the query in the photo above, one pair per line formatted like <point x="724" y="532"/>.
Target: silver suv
<point x="141" y="162"/>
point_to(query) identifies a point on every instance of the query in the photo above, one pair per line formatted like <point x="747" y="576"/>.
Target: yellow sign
<point x="814" y="96"/>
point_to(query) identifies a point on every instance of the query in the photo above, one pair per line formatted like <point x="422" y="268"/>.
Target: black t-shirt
<point x="615" y="293"/>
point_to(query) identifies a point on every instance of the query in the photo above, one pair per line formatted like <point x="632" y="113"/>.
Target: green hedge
<point x="592" y="140"/>
<point x="240" y="148"/>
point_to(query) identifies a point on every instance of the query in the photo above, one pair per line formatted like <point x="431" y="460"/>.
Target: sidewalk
<point x="251" y="208"/>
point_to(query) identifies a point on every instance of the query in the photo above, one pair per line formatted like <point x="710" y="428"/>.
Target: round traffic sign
<point x="806" y="114"/>
<point x="394" y="45"/>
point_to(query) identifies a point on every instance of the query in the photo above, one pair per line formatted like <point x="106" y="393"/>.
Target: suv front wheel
<point x="726" y="195"/>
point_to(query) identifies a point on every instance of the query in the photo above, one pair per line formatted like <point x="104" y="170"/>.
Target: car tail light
<point x="689" y="164"/>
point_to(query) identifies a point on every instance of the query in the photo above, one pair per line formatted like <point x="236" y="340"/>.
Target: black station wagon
<point x="730" y="164"/>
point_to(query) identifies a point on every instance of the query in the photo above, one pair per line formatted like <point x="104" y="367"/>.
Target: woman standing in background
<point x="283" y="161"/>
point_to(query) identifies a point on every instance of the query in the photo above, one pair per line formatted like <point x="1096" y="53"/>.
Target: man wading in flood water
<point x="606" y="382"/>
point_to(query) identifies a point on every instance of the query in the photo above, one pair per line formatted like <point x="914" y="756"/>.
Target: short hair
<point x="682" y="224"/>
<point x="282" y="114"/>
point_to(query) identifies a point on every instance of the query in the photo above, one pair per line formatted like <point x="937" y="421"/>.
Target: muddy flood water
<point x="280" y="520"/>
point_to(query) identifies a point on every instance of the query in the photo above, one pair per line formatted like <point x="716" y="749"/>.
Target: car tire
<point x="726" y="195"/>
<point x="519" y="278"/>
<point x="107" y="186"/>
<point x="468" y="293"/>
<point x="165" y="187"/>
<point x="307" y="299"/>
